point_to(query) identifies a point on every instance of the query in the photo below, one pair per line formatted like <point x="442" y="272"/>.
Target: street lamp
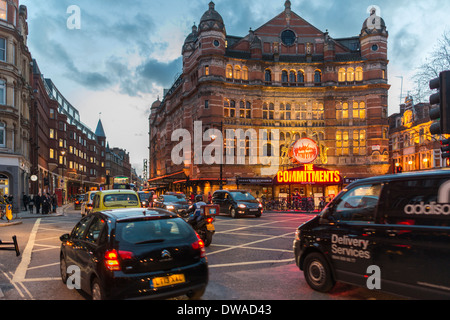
<point x="63" y="153"/>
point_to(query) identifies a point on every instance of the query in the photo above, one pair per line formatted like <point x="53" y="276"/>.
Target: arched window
<point x="3" y="10"/>
<point x="237" y="72"/>
<point x="268" y="75"/>
<point x="2" y="135"/>
<point x="359" y="75"/>
<point x="317" y="77"/>
<point x="229" y="108"/>
<point x="244" y="73"/>
<point x="229" y="72"/>
<point x="300" y="76"/>
<point x="342" y="75"/>
<point x="284" y="76"/>
<point x="292" y="78"/>
<point x="350" y="74"/>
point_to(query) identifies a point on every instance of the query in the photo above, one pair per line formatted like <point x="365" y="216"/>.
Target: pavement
<point x="19" y="217"/>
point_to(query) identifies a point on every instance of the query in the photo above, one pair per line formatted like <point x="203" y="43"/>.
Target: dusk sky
<point x="127" y="52"/>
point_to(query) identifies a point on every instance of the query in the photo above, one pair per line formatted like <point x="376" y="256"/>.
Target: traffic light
<point x="442" y="100"/>
<point x="445" y="148"/>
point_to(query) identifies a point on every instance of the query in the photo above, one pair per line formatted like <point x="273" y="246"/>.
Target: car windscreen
<point x="242" y="196"/>
<point x="152" y="231"/>
<point x="144" y="196"/>
<point x="119" y="200"/>
<point x="174" y="199"/>
<point x="92" y="195"/>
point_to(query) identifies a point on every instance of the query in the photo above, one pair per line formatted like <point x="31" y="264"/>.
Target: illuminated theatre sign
<point x="309" y="174"/>
<point x="305" y="151"/>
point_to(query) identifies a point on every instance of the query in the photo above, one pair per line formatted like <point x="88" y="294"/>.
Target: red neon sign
<point x="309" y="175"/>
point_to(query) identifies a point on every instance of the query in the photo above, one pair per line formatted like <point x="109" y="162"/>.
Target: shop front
<point x="307" y="181"/>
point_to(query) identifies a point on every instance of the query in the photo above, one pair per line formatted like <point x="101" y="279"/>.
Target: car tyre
<point x="63" y="269"/>
<point x="318" y="273"/>
<point x="233" y="213"/>
<point x="97" y="291"/>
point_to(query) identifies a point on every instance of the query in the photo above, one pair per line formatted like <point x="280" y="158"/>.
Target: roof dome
<point x="212" y="20"/>
<point x="156" y="104"/>
<point x="374" y="22"/>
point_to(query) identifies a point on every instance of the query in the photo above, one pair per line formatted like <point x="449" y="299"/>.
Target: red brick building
<point x="285" y="76"/>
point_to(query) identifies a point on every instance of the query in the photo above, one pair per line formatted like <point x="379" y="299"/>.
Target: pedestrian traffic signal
<point x="442" y="100"/>
<point x="445" y="149"/>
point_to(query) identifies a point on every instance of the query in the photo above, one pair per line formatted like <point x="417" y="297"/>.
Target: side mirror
<point x="327" y="216"/>
<point x="64" y="237"/>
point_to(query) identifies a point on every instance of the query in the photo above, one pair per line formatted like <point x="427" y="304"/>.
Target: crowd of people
<point x="44" y="203"/>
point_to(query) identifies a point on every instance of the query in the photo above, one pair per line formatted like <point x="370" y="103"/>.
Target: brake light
<point x="199" y="245"/>
<point x="210" y="220"/>
<point x="112" y="260"/>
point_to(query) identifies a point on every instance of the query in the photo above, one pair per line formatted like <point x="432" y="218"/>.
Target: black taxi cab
<point x="394" y="230"/>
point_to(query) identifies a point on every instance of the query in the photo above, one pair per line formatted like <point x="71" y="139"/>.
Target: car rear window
<point x="119" y="200"/>
<point x="148" y="231"/>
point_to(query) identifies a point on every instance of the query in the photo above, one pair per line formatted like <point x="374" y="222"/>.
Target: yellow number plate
<point x="167" y="281"/>
<point x="210" y="227"/>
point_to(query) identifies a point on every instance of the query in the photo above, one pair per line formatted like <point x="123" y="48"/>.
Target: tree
<point x="438" y="61"/>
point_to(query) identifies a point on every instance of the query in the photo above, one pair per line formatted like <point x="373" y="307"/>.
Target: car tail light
<point x="112" y="260"/>
<point x="199" y="245"/>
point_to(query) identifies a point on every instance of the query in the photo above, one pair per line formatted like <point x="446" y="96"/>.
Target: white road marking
<point x="21" y="270"/>
<point x="249" y="263"/>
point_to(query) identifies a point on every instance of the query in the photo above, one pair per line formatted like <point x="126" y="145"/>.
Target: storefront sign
<point x="309" y="174"/>
<point x="305" y="151"/>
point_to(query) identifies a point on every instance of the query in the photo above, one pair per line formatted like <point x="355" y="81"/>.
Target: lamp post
<point x="213" y="137"/>
<point x="63" y="180"/>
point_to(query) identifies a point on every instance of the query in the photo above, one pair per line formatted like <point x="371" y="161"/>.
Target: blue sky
<point x="127" y="52"/>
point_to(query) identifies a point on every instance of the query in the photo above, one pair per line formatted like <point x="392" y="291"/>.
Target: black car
<point x="390" y="233"/>
<point x="237" y="203"/>
<point x="145" y="198"/>
<point x="172" y="202"/>
<point x="78" y="201"/>
<point x="135" y="254"/>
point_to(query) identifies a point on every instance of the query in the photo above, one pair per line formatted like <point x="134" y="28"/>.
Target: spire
<point x="100" y="132"/>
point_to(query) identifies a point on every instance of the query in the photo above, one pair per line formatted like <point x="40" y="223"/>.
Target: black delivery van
<point x="397" y="225"/>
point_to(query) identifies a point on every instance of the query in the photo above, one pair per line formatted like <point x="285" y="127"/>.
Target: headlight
<point x="242" y="206"/>
<point x="170" y="207"/>
<point x="297" y="234"/>
<point x="260" y="205"/>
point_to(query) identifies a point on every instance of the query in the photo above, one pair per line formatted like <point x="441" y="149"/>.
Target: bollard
<point x="10" y="246"/>
<point x="9" y="215"/>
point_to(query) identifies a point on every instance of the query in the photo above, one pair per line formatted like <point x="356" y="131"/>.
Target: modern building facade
<point x="286" y="80"/>
<point x="15" y="95"/>
<point x="68" y="158"/>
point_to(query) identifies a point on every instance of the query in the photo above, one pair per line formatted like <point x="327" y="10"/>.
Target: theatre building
<point x="282" y="82"/>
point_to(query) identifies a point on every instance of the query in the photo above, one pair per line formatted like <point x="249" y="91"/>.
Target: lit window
<point x="3" y="10"/>
<point x="237" y="72"/>
<point x="350" y="75"/>
<point x="207" y="71"/>
<point x="342" y="75"/>
<point x="345" y="110"/>
<point x="244" y="73"/>
<point x="359" y="74"/>
<point x="52" y="154"/>
<point x="229" y="72"/>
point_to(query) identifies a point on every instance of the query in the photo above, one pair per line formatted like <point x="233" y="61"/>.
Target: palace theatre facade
<point x="285" y="81"/>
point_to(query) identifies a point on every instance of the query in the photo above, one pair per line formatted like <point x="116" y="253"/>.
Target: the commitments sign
<point x="309" y="174"/>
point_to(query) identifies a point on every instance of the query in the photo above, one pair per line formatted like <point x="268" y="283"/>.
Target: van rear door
<point x="414" y="247"/>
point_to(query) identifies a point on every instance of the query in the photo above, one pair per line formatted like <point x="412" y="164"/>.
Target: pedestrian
<point x="54" y="202"/>
<point x="209" y="198"/>
<point x="45" y="204"/>
<point x="37" y="203"/>
<point x="31" y="204"/>
<point x="25" y="201"/>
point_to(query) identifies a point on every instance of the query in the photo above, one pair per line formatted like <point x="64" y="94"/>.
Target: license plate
<point x="210" y="227"/>
<point x="253" y="209"/>
<point x="167" y="281"/>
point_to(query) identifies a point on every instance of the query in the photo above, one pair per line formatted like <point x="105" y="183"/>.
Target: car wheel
<point x="97" y="291"/>
<point x="318" y="273"/>
<point x="233" y="213"/>
<point x="63" y="269"/>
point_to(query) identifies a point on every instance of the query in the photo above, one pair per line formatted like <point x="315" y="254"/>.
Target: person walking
<point x="25" y="201"/>
<point x="31" y="203"/>
<point x="37" y="203"/>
